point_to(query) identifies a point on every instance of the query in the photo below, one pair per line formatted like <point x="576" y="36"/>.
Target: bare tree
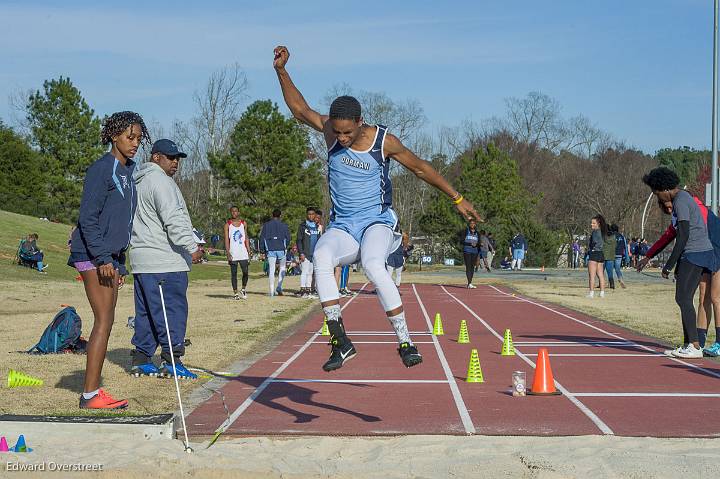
<point x="535" y="120"/>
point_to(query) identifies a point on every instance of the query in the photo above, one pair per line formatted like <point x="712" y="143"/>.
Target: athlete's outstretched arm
<point x="422" y="169"/>
<point x="294" y="99"/>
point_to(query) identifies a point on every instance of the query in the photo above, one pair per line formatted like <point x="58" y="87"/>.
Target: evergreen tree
<point x="489" y="178"/>
<point x="67" y="134"/>
<point x="22" y="181"/>
<point x="267" y="167"/>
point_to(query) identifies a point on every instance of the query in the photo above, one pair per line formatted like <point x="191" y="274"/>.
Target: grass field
<point x="222" y="330"/>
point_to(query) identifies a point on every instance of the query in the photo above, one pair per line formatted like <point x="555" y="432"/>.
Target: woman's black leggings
<point x="686" y="283"/>
<point x="233" y="273"/>
<point x="470" y="259"/>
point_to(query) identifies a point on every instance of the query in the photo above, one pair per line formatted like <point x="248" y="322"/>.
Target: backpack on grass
<point x="62" y="334"/>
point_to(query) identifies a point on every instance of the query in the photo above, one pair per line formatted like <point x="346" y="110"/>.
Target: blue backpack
<point x="62" y="334"/>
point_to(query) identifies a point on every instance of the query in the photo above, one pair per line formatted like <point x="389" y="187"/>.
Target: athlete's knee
<point x="323" y="261"/>
<point x="375" y="268"/>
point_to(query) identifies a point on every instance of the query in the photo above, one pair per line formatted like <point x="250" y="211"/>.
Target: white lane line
<point x="459" y="403"/>
<point x="600" y="355"/>
<point x="591" y="415"/>
<point x="616" y="336"/>
<point x="377" y="342"/>
<point x="246" y="404"/>
<point x="575" y="343"/>
<point x="649" y="395"/>
<point x="359" y="381"/>
<point x="578" y="345"/>
<point x="384" y="333"/>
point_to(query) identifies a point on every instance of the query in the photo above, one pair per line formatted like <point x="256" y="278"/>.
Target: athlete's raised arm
<point x="422" y="169"/>
<point x="294" y="99"/>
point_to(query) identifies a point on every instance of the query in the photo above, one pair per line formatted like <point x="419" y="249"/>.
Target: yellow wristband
<point x="459" y="200"/>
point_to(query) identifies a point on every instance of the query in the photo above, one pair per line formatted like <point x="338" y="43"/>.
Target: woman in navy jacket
<point x="101" y="238"/>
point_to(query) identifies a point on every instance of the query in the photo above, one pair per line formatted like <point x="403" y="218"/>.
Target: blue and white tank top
<point x="359" y="180"/>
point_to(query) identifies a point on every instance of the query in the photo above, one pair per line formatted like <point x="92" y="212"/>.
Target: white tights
<point x="338" y="248"/>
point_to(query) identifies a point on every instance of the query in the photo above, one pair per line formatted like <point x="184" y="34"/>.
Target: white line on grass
<point x="459" y="403"/>
<point x="616" y="336"/>
<point x="246" y="404"/>
<point x="591" y="415"/>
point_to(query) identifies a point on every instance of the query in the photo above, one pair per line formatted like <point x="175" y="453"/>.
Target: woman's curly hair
<point x="119" y="122"/>
<point x="661" y="178"/>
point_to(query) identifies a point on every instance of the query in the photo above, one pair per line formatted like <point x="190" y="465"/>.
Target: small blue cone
<point x="21" y="446"/>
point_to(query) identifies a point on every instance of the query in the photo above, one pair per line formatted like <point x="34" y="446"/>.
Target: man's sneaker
<point x="591" y="294"/>
<point x="409" y="354"/>
<point x="45" y="266"/>
<point x="602" y="294"/>
<point x="243" y="294"/>
<point x="182" y="371"/>
<point x="236" y="297"/>
<point x="339" y="355"/>
<point x="471" y="286"/>
<point x="713" y="351"/>
<point x="688" y="352"/>
<point x="102" y="400"/>
<point x="147" y="369"/>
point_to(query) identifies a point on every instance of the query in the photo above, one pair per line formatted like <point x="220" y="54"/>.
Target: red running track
<point x="614" y="381"/>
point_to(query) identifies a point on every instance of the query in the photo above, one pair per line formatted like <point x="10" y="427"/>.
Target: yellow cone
<point x="508" y="349"/>
<point x="325" y="331"/>
<point x="437" y="327"/>
<point x="474" y="374"/>
<point x="17" y="379"/>
<point x="463" y="337"/>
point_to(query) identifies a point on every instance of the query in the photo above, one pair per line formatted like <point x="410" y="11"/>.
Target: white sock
<point x="91" y="394"/>
<point x="400" y="326"/>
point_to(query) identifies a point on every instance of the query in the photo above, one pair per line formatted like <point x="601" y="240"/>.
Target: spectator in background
<point x="518" y="249"/>
<point x="470" y="241"/>
<point x="396" y="260"/>
<point x="484" y="250"/>
<point x="596" y="258"/>
<point x="308" y="233"/>
<point x="621" y="253"/>
<point x="164" y="245"/>
<point x="491" y="250"/>
<point x="237" y="250"/>
<point x="575" y="254"/>
<point x="609" y="245"/>
<point x="29" y="251"/>
<point x="274" y="241"/>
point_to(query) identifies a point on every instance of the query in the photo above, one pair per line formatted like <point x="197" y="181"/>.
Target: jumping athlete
<point x="362" y="221"/>
<point x="237" y="247"/>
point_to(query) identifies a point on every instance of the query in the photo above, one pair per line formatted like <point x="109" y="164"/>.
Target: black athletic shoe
<point x="340" y="354"/>
<point x="409" y="354"/>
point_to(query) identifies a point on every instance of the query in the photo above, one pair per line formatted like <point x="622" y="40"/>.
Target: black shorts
<point x="597" y="256"/>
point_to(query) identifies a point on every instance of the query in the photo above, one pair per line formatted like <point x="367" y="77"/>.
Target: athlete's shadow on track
<point x="613" y="342"/>
<point x="705" y="371"/>
<point x="297" y="394"/>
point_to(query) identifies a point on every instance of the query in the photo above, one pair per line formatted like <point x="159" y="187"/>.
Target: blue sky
<point x="639" y="69"/>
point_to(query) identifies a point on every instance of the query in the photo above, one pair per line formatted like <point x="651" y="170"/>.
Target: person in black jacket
<point x="98" y="245"/>
<point x="274" y="242"/>
<point x="308" y="234"/>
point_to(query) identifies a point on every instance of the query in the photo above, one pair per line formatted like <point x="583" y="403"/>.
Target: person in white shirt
<point x="237" y="248"/>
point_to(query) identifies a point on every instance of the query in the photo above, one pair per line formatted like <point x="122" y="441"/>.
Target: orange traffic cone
<point x="543" y="382"/>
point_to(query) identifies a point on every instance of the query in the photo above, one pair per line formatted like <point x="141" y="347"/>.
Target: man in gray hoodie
<point x="163" y="249"/>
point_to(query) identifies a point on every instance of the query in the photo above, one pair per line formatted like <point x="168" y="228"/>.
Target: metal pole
<point x="642" y="220"/>
<point x="714" y="184"/>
